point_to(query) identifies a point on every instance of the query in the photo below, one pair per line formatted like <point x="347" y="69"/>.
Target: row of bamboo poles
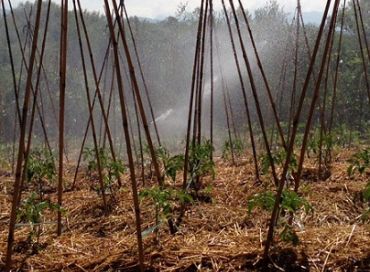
<point x="123" y="67"/>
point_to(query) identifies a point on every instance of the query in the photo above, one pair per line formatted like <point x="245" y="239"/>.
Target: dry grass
<point x="217" y="236"/>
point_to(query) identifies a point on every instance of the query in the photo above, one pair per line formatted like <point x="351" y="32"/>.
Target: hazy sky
<point x="163" y="8"/>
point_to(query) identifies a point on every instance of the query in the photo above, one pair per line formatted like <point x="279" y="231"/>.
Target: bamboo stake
<point x="211" y="23"/>
<point x="62" y="86"/>
<point x="244" y="93"/>
<point x="127" y="135"/>
<point x="191" y="106"/>
<point x="264" y="77"/>
<point x="36" y="93"/>
<point x="227" y="106"/>
<point x="18" y="110"/>
<point x="296" y="52"/>
<point x="15" y="88"/>
<point x="17" y="183"/>
<point x="255" y="95"/>
<point x="93" y="130"/>
<point x="276" y="209"/>
<point x="198" y="116"/>
<point x="316" y="93"/>
<point x="24" y="64"/>
<point x="138" y="95"/>
<point x="323" y="130"/>
<point x="363" y="28"/>
<point x="146" y="89"/>
<point x="367" y="82"/>
<point x="228" y="125"/>
<point x="96" y="81"/>
<point x="89" y="121"/>
<point x="334" y="96"/>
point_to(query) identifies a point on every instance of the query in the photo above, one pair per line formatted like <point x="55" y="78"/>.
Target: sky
<point x="162" y="8"/>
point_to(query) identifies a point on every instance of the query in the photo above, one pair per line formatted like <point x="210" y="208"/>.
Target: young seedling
<point x="279" y="157"/>
<point x="111" y="169"/>
<point x="200" y="164"/>
<point x="40" y="169"/>
<point x="360" y="162"/>
<point x="291" y="203"/>
<point x="164" y="200"/>
<point x="31" y="212"/>
<point x="171" y="164"/>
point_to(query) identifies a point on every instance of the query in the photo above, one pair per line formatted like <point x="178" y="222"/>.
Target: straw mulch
<point x="214" y="236"/>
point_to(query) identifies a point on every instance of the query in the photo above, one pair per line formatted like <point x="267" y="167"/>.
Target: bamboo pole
<point x="127" y="135"/>
<point x="363" y="28"/>
<point x="275" y="213"/>
<point x="34" y="103"/>
<point x="244" y="93"/>
<point x="211" y="24"/>
<point x="96" y="81"/>
<point x="146" y="89"/>
<point x="334" y="96"/>
<point x="198" y="120"/>
<point x="138" y="95"/>
<point x="316" y="93"/>
<point x="364" y="64"/>
<point x="93" y="130"/>
<point x="255" y="95"/>
<point x="62" y="86"/>
<point x="21" y="148"/>
<point x="264" y="77"/>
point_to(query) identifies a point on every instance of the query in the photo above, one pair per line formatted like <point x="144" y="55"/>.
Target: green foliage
<point x="171" y="164"/>
<point x="164" y="199"/>
<point x="279" y="158"/>
<point x="291" y="202"/>
<point x="313" y="145"/>
<point x="111" y="169"/>
<point x="200" y="160"/>
<point x="265" y="201"/>
<point x="289" y="235"/>
<point x="359" y="162"/>
<point x="31" y="211"/>
<point x="40" y="166"/>
<point x="236" y="146"/>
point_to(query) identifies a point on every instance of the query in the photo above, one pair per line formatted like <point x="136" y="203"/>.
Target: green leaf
<point x="265" y="201"/>
<point x="289" y="235"/>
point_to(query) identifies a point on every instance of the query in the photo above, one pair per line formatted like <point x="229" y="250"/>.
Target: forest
<point x="216" y="139"/>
